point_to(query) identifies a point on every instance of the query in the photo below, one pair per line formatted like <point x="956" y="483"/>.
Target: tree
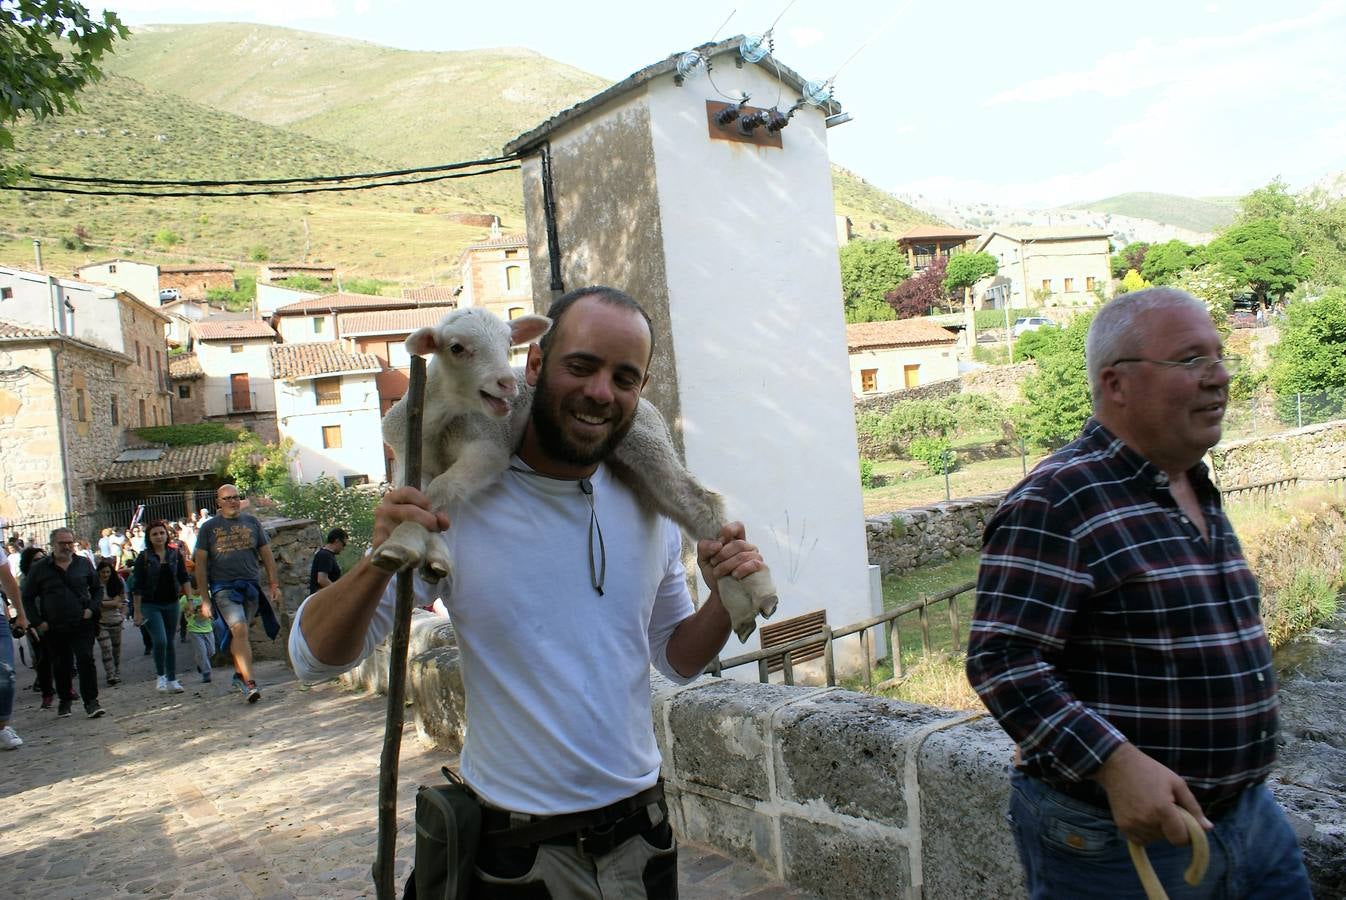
<point x="1274" y="202"/>
<point x="869" y="269"/>
<point x="1132" y="256"/>
<point x="1310" y="359"/>
<point x="1260" y="256"/>
<point x="1163" y="262"/>
<point x="1058" y="393"/>
<point x="256" y="467"/>
<point x="1132" y="282"/>
<point x="49" y="51"/>
<point x="917" y="295"/>
<point x="966" y="269"/>
<point x="1212" y="287"/>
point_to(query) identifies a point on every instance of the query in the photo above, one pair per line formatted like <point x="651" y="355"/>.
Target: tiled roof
<point x="343" y="301"/>
<point x="502" y="241"/>
<point x="430" y="292"/>
<point x="324" y="358"/>
<point x="12" y="330"/>
<point x="185" y="366"/>
<point x="174" y="462"/>
<point x="934" y="232"/>
<point x="389" y="321"/>
<point x="213" y="329"/>
<point x="298" y="267"/>
<point x="195" y="267"/>
<point x="902" y="333"/>
<point x="1051" y="233"/>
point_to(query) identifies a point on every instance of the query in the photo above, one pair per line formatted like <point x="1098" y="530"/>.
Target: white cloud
<point x="264" y="11"/>
<point x="803" y="37"/>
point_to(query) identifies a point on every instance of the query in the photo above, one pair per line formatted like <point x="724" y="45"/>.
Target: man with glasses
<point x="63" y="598"/>
<point x="229" y="547"/>
<point x="1117" y="636"/>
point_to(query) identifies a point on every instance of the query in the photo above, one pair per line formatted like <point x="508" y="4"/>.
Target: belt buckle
<point x="597" y="841"/>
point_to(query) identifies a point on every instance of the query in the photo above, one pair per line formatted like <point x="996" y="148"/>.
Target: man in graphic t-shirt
<point x="228" y="550"/>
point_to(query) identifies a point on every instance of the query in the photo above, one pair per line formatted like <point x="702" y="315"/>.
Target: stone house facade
<point x="192" y="281"/>
<point x="496" y="275"/>
<point x="1051" y="266"/>
<point x="57" y="434"/>
<point x="144" y="398"/>
<point x="236" y="383"/>
<point x="185" y="378"/>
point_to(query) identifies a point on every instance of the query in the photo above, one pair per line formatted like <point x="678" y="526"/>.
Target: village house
<point x="924" y="244"/>
<point x="193" y="281"/>
<point x="185" y="376"/>
<point x="1050" y="266"/>
<point x="271" y="297"/>
<point x="327" y="402"/>
<point x="496" y="276"/>
<point x="273" y="272"/>
<point x="892" y="356"/>
<point x="139" y="279"/>
<point x="383" y="334"/>
<point x="81" y="365"/>
<point x="236" y="384"/>
<point x="182" y="314"/>
<point x="315" y="319"/>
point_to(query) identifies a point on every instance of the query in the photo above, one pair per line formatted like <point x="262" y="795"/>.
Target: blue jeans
<point x="1073" y="849"/>
<point x="6" y="674"/>
<point x="162" y="621"/>
<point x="204" y="642"/>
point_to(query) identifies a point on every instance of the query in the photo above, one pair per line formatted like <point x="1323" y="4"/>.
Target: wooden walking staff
<point x="385" y="854"/>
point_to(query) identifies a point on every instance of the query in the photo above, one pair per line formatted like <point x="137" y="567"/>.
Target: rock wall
<point x="1314" y="450"/>
<point x="998" y="381"/>
<point x="924" y="535"/>
<point x="293" y="543"/>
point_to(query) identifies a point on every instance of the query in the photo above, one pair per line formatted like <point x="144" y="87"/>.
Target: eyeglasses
<point x="234" y="497"/>
<point x="1197" y="365"/>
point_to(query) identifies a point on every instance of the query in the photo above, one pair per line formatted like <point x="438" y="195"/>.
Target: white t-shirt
<point x="556" y="676"/>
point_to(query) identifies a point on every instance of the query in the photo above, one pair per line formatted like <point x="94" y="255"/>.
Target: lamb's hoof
<point x="391" y="558"/>
<point x="434" y="571"/>
<point x="767" y="605"/>
<point x="745" y="630"/>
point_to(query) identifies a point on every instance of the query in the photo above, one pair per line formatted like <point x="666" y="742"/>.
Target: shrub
<point x="165" y="237"/>
<point x="1246" y="383"/>
<point x="259" y="254"/>
<point x="991" y="354"/>
<point x="936" y="453"/>
<point x="866" y="474"/>
<point x="976" y="412"/>
<point x="188" y="435"/>
<point x="331" y="506"/>
<point x="1040" y="343"/>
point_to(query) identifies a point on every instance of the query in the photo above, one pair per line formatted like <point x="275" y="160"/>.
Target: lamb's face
<point x="471" y="348"/>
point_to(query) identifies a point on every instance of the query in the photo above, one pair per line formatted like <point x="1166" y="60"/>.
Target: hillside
<point x="408" y="107"/>
<point x="245" y="101"/>
<point x="128" y="130"/>
<point x="873" y="212"/>
<point x="1169" y="209"/>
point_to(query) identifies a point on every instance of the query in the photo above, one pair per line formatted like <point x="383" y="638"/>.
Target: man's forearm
<point x="699" y="637"/>
<point x="336" y="618"/>
<point x="199" y="560"/>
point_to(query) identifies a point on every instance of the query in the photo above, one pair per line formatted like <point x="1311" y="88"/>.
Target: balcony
<point x="240" y="402"/>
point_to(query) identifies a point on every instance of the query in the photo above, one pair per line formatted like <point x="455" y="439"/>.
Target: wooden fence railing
<point x="921" y="607"/>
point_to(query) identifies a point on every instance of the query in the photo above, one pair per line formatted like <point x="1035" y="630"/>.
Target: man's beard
<point x="551" y="435"/>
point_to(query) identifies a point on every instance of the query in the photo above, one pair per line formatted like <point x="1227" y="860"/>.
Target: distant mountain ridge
<point x="1200" y="215"/>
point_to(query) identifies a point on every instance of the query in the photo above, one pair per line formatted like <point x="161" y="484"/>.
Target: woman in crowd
<point x="110" y="625"/>
<point x="160" y="579"/>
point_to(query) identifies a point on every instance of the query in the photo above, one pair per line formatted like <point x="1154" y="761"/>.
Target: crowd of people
<point x="197" y="580"/>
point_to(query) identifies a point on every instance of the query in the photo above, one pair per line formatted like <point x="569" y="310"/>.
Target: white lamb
<point x="473" y="421"/>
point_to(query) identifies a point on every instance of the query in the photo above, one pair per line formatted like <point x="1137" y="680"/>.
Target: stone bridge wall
<point x="1314" y="450"/>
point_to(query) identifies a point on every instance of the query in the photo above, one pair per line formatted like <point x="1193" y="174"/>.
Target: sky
<point x="1030" y="104"/>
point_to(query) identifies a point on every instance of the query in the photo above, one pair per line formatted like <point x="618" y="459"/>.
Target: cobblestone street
<point x="201" y="795"/>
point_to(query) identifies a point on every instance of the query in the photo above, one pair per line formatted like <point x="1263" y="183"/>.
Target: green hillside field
<point x="1207" y="214"/>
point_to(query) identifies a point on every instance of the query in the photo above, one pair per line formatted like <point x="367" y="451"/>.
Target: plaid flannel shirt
<point x="1103" y="616"/>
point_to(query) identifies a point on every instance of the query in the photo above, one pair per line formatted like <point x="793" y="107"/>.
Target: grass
<point x="907" y="483"/>
<point x="935" y="679"/>
<point x="871" y="209"/>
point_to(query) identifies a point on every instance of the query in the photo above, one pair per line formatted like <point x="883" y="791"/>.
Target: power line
<point x="256" y="193"/>
<point x="314" y="179"/>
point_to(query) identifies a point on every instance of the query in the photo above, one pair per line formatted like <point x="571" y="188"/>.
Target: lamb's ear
<point x="422" y="341"/>
<point x="527" y="328"/>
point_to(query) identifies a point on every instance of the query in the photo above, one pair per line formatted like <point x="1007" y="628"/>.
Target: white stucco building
<point x="236" y="384"/>
<point x="139" y="279"/>
<point x="727" y="236"/>
<point x="892" y="356"/>
<point x="327" y="402"/>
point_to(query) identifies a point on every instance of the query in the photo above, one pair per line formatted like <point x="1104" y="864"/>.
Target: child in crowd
<point x="202" y="634"/>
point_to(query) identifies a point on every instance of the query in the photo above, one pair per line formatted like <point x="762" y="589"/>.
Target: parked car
<point x="1030" y="323"/>
<point x="168" y="295"/>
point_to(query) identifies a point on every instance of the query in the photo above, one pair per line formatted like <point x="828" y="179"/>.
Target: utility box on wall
<point x="730" y="245"/>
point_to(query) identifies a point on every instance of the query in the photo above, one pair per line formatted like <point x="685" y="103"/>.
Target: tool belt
<point x="593" y="832"/>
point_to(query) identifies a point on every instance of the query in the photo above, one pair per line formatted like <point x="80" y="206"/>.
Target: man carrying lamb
<point x="556" y="647"/>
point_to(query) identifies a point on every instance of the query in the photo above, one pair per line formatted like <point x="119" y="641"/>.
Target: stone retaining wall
<point x="1312" y="450"/>
<point x="902" y="541"/>
<point x="293" y="543"/>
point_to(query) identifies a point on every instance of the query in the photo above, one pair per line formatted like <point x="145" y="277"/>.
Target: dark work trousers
<point x="71" y="647"/>
<point x="41" y="664"/>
